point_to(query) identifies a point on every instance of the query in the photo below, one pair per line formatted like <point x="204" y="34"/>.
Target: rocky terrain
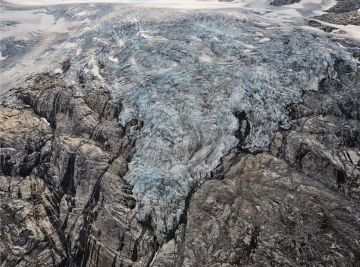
<point x="145" y="136"/>
<point x="344" y="12"/>
<point x="283" y="2"/>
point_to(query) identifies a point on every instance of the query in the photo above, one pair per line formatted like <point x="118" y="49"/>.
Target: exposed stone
<point x="344" y="12"/>
<point x="73" y="190"/>
<point x="283" y="2"/>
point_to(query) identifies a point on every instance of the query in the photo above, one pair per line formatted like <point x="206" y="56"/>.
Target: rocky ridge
<point x="345" y="12"/>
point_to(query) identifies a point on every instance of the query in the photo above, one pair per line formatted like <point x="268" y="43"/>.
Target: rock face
<point x="345" y="12"/>
<point x="218" y="139"/>
<point x="63" y="158"/>
<point x="283" y="2"/>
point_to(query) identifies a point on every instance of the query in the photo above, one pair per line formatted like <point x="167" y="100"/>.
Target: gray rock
<point x="344" y="12"/>
<point x="283" y="2"/>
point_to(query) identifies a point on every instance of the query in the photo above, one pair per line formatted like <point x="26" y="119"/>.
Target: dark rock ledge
<point x="345" y="12"/>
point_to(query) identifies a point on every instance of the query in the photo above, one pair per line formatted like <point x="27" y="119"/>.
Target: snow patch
<point x="2" y="57"/>
<point x="94" y="68"/>
<point x="113" y="59"/>
<point x="205" y="58"/>
<point x="45" y="120"/>
<point x="58" y="71"/>
<point x="264" y="40"/>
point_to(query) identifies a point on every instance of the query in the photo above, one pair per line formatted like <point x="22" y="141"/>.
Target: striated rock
<point x="269" y="214"/>
<point x="66" y="155"/>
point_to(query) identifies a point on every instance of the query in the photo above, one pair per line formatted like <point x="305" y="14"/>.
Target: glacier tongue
<point x="185" y="78"/>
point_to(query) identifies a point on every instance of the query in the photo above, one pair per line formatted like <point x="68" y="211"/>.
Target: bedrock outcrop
<point x="63" y="158"/>
<point x="344" y="12"/>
